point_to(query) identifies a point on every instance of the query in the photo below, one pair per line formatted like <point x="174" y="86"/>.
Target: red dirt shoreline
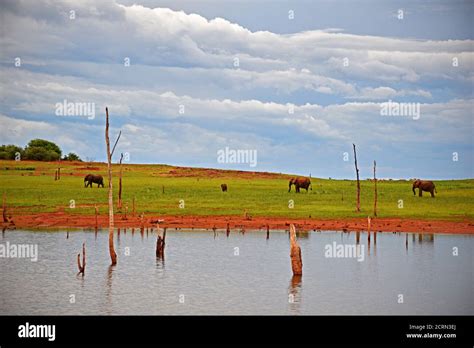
<point x="64" y="220"/>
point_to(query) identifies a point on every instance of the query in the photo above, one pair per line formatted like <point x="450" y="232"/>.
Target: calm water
<point x="203" y="271"/>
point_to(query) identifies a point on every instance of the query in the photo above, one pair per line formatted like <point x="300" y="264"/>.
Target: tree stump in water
<point x="82" y="267"/>
<point x="295" y="253"/>
<point x="160" y="243"/>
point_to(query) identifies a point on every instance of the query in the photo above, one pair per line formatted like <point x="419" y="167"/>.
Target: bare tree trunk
<point x="375" y="190"/>
<point x="133" y="207"/>
<point x="368" y="229"/>
<point x="119" y="204"/>
<point x="113" y="255"/>
<point x="4" y="211"/>
<point x="295" y="253"/>
<point x="59" y="169"/>
<point x="358" y="182"/>
<point x="96" y="213"/>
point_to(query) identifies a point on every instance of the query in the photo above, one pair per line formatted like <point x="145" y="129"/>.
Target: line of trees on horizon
<point x="36" y="150"/>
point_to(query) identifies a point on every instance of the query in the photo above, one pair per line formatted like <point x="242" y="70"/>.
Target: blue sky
<point x="333" y="64"/>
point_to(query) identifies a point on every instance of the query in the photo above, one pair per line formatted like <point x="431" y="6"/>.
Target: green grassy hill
<point x="30" y="187"/>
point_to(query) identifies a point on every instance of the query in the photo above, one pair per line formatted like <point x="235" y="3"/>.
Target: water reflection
<point x="302" y="234"/>
<point x="108" y="289"/>
<point x="294" y="294"/>
<point x="191" y="269"/>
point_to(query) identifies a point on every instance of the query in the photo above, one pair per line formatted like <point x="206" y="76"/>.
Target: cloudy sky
<point x="297" y="81"/>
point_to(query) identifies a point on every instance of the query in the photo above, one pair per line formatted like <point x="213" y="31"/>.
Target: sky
<point x="294" y="82"/>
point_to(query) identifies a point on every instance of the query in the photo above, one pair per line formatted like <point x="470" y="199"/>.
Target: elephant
<point x="427" y="186"/>
<point x="224" y="187"/>
<point x="96" y="179"/>
<point x="300" y="182"/>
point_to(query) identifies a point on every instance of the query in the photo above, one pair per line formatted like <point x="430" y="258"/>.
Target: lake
<point x="245" y="273"/>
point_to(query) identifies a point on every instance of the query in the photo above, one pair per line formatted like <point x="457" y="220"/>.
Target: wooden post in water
<point x="357" y="237"/>
<point x="160" y="243"/>
<point x="295" y="253"/>
<point x="82" y="268"/>
<point x="268" y="232"/>
<point x="406" y="241"/>
<point x="227" y="232"/>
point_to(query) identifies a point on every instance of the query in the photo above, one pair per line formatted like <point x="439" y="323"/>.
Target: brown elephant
<point x="224" y="187"/>
<point x="421" y="185"/>
<point x="96" y="179"/>
<point x="300" y="182"/>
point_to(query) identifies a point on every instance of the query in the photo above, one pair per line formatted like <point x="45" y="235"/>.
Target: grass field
<point x="31" y="188"/>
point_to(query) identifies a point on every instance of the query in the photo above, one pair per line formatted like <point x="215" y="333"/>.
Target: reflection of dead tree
<point x="113" y="255"/>
<point x="160" y="243"/>
<point x="82" y="267"/>
<point x="295" y="253"/>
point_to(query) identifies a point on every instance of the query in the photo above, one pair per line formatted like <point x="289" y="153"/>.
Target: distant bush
<point x="42" y="150"/>
<point x="41" y="154"/>
<point x="10" y="152"/>
<point x="71" y="156"/>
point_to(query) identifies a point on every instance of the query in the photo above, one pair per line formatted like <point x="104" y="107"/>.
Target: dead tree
<point x="358" y="182"/>
<point x="82" y="268"/>
<point x="368" y="229"/>
<point x="119" y="204"/>
<point x="8" y="222"/>
<point x="4" y="208"/>
<point x="375" y="190"/>
<point x="96" y="213"/>
<point x="133" y="207"/>
<point x="113" y="255"/>
<point x="295" y="253"/>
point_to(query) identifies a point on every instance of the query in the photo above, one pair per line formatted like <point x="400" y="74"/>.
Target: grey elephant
<point x="422" y="185"/>
<point x="96" y="179"/>
<point x="300" y="182"/>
